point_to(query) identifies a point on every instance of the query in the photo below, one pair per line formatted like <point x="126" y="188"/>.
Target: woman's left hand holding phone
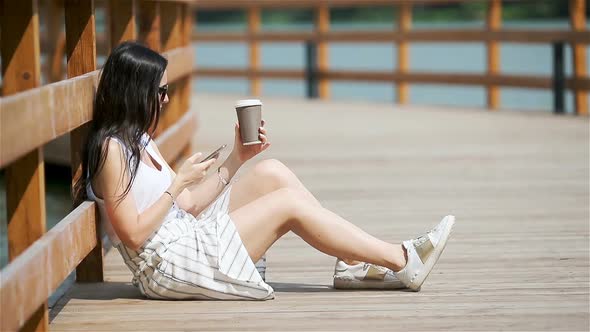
<point x="192" y="171"/>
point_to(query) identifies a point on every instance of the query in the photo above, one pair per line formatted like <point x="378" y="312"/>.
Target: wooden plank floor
<point x="518" y="258"/>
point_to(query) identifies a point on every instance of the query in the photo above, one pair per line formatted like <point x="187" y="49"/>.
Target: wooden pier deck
<point x="518" y="259"/>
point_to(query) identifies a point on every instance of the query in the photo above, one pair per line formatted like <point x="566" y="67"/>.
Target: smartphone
<point x="214" y="154"/>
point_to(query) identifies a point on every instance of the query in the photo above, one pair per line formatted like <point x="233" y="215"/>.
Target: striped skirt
<point x="197" y="258"/>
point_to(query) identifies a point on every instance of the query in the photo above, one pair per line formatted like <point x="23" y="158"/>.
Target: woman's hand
<point x="192" y="171"/>
<point x="244" y="152"/>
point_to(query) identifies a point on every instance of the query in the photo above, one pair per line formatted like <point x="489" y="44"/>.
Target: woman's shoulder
<point x="115" y="149"/>
<point x="117" y="146"/>
<point x="144" y="140"/>
<point x="113" y="142"/>
<point x="112" y="168"/>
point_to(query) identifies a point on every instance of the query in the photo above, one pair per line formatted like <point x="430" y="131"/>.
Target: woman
<point x="187" y="235"/>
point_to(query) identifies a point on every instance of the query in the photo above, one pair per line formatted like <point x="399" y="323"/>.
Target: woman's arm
<point x="131" y="227"/>
<point x="195" y="198"/>
<point x="203" y="193"/>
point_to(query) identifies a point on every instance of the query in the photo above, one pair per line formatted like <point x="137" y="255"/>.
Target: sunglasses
<point x="163" y="91"/>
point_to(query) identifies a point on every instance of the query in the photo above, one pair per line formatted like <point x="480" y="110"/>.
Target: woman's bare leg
<point x="265" y="177"/>
<point x="263" y="221"/>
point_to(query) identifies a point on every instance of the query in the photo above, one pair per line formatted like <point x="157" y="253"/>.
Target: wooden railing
<point x="32" y="115"/>
<point x="319" y="75"/>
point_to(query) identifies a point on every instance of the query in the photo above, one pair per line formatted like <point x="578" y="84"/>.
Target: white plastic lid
<point x="248" y="102"/>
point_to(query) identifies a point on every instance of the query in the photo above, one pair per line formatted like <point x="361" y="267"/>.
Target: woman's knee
<point x="275" y="173"/>
<point x="292" y="200"/>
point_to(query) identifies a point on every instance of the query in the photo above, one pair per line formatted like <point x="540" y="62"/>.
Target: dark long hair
<point x="126" y="106"/>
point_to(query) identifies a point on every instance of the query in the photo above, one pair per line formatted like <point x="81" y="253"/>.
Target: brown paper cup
<point x="249" y="113"/>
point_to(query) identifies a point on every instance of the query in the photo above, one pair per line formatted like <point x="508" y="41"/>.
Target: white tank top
<point x="147" y="188"/>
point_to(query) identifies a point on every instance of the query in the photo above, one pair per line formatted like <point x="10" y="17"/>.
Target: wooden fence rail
<point x="537" y="36"/>
<point x="530" y="81"/>
<point x="491" y="36"/>
<point x="40" y="261"/>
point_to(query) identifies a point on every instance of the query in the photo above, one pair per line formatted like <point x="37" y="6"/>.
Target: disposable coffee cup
<point x="249" y="113"/>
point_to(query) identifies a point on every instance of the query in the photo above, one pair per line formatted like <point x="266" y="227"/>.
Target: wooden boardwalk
<point x="518" y="259"/>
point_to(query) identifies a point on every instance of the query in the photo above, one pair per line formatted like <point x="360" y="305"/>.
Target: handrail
<point x="527" y="81"/>
<point x="52" y="112"/>
<point x="166" y="25"/>
<point x="233" y="4"/>
<point x="31" y="278"/>
<point x="40" y="261"/>
<point x="537" y="36"/>
<point x="318" y="38"/>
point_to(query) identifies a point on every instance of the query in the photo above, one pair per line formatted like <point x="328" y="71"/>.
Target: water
<point x="517" y="59"/>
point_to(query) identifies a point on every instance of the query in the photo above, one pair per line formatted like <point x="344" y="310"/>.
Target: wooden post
<point x="254" y="22"/>
<point x="558" y="78"/>
<point x="322" y="25"/>
<point x="55" y="39"/>
<point x="404" y="24"/>
<point x="187" y="26"/>
<point x="57" y="71"/>
<point x="494" y="23"/>
<point x="20" y="46"/>
<point x="187" y="21"/>
<point x="578" y="23"/>
<point x="172" y="28"/>
<point x="171" y="37"/>
<point x="187" y="30"/>
<point x="311" y="72"/>
<point x="122" y="21"/>
<point x="171" y="25"/>
<point x="149" y="24"/>
<point x="104" y="47"/>
<point x="182" y="94"/>
<point x="25" y="178"/>
<point x="81" y="54"/>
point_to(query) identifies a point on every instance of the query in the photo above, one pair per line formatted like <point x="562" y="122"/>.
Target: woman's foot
<point x="423" y="253"/>
<point x="364" y="276"/>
